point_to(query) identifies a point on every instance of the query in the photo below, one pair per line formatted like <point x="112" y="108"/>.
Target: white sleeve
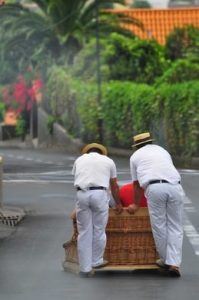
<point x="133" y="170"/>
<point x="113" y="173"/>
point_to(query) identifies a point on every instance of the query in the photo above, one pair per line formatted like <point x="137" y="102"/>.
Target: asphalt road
<point x="31" y="255"/>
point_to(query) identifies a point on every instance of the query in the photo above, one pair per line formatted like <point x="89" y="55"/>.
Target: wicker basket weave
<point x="70" y="247"/>
<point x="129" y="240"/>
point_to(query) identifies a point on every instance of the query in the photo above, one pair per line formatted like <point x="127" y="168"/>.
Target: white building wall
<point x="159" y="3"/>
<point x="169" y="3"/>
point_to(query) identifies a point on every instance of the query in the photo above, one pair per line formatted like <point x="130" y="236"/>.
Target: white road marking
<point x="187" y="200"/>
<point x="189" y="229"/>
<point x="189" y="172"/>
<point x="192" y="234"/>
<point x="35" y="181"/>
<point x="54" y="196"/>
<point x="19" y="157"/>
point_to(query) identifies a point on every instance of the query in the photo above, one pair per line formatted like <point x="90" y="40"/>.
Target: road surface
<point x="40" y="182"/>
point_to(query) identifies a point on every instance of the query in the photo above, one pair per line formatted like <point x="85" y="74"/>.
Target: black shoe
<point x="161" y="264"/>
<point x="174" y="271"/>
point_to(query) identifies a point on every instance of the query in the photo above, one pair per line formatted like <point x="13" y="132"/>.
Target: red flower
<point x="37" y="85"/>
<point x="21" y="95"/>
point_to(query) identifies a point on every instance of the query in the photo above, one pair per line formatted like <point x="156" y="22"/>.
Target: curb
<point x="180" y="162"/>
<point x="14" y="145"/>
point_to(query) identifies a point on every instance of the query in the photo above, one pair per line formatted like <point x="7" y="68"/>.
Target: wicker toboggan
<point x="130" y="241"/>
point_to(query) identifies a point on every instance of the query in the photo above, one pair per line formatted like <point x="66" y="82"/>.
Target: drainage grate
<point x="10" y="220"/>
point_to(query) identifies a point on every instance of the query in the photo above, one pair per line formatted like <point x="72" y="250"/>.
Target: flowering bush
<point x="19" y="98"/>
<point x="21" y="95"/>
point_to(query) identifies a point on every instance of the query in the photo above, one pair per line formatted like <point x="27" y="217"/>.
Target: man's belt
<point x="92" y="188"/>
<point x="160" y="181"/>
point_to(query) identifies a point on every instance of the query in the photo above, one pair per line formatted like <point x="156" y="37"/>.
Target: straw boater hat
<point x="142" y="139"/>
<point x="94" y="146"/>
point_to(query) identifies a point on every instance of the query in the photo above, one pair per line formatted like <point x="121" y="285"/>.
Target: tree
<point x="134" y="60"/>
<point x="55" y="29"/>
<point x="182" y="42"/>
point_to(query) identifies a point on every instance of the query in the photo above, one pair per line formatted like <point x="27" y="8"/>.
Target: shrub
<point x="180" y="106"/>
<point x="21" y="127"/>
<point x="121" y="58"/>
<point x="182" y="42"/>
<point x="136" y="60"/>
<point x="60" y="99"/>
<point x="50" y="122"/>
<point x="89" y="109"/>
<point x="180" y="71"/>
<point x="171" y="112"/>
<point x="126" y="109"/>
<point x="85" y="63"/>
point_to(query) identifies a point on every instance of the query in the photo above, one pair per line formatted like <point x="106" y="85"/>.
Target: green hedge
<point x="126" y="110"/>
<point x="181" y="70"/>
<point x="170" y="111"/>
<point x="88" y="108"/>
<point x="180" y="104"/>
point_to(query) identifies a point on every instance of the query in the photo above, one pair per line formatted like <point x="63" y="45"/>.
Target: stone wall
<point x="59" y="138"/>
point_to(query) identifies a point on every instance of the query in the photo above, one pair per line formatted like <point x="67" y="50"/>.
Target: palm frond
<point x="123" y="18"/>
<point x="57" y="25"/>
<point x="31" y="21"/>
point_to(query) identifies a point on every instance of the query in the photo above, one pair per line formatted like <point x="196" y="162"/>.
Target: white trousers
<point x="92" y="216"/>
<point x="165" y="203"/>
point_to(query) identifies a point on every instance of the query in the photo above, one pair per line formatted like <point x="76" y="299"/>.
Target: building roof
<point x="159" y="23"/>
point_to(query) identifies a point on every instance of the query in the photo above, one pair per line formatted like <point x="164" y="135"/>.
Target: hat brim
<point x="95" y="146"/>
<point x="143" y="142"/>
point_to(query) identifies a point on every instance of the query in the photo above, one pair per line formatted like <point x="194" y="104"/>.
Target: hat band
<point x="143" y="140"/>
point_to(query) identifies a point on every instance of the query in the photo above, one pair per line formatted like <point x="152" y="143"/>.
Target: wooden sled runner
<point x="130" y="244"/>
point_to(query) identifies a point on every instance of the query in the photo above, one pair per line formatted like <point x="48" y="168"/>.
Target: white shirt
<point x="152" y="162"/>
<point x="93" y="169"/>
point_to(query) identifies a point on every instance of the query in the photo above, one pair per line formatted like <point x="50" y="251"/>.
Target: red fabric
<point x="127" y="195"/>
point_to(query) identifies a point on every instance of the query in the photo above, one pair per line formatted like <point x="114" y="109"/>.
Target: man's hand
<point x="118" y="208"/>
<point x="115" y="192"/>
<point x="132" y="208"/>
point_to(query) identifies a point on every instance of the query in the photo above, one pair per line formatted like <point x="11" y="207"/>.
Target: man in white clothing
<point x="152" y="169"/>
<point x="94" y="173"/>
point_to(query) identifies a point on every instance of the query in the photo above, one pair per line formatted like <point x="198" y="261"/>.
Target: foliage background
<point x="170" y="112"/>
<point x="142" y="85"/>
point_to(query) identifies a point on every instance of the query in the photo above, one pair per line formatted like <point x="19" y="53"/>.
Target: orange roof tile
<point x="159" y="23"/>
